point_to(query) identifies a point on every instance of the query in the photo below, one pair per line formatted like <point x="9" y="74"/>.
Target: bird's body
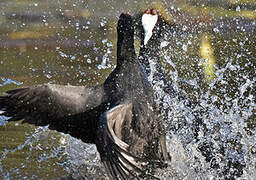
<point x="150" y="50"/>
<point x="164" y="92"/>
<point x="119" y="116"/>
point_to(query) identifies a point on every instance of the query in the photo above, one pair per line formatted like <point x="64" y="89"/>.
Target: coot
<point x="152" y="31"/>
<point x="150" y="59"/>
<point x="119" y="116"/>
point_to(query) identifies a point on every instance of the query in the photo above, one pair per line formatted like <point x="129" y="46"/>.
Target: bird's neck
<point x="149" y="55"/>
<point x="125" y="50"/>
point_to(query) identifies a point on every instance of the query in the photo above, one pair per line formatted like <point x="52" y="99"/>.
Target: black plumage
<point x="119" y="116"/>
<point x="150" y="59"/>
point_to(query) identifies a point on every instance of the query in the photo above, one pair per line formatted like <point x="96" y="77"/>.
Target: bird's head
<point x="149" y="20"/>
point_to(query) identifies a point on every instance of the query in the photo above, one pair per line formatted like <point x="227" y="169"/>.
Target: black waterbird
<point x="119" y="116"/>
<point x="150" y="56"/>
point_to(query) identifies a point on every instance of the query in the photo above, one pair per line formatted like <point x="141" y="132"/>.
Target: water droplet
<point x="164" y="44"/>
<point x="216" y="30"/>
<point x="48" y="76"/>
<point x="73" y="57"/>
<point x="185" y="47"/>
<point x="104" y="41"/>
<point x="238" y="8"/>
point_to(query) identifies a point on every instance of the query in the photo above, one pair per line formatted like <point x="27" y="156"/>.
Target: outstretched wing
<point x="49" y="104"/>
<point x="118" y="161"/>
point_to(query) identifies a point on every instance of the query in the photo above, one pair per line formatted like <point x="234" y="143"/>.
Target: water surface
<point x="208" y="57"/>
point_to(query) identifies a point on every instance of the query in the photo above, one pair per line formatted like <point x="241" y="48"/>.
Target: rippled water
<point x="214" y="139"/>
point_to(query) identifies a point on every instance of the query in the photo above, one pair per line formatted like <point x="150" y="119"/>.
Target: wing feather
<point x="118" y="161"/>
<point x="58" y="106"/>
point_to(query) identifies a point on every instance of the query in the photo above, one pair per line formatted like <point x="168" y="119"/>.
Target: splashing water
<point x="9" y="81"/>
<point x="209" y="139"/>
<point x="217" y="146"/>
<point x="213" y="138"/>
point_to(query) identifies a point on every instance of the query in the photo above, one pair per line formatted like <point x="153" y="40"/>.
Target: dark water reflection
<point x="73" y="42"/>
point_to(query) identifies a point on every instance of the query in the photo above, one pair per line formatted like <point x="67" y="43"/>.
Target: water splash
<point x="224" y="145"/>
<point x="216" y="145"/>
<point x="9" y="81"/>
